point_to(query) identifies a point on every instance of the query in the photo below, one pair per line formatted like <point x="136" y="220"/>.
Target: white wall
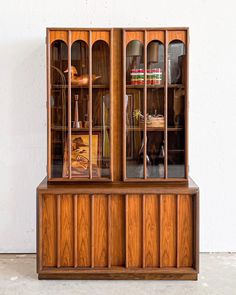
<point x="23" y="95"/>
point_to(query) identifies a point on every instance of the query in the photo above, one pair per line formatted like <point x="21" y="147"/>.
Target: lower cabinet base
<point x="117" y="231"/>
<point x="169" y="274"/>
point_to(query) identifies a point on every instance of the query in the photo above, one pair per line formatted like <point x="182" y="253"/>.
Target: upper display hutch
<point x="87" y="72"/>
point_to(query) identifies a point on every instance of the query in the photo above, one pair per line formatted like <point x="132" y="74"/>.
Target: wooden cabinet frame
<point x="118" y="227"/>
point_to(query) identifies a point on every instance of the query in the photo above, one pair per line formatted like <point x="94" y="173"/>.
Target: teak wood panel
<point x="132" y="231"/>
<point x="83" y="230"/>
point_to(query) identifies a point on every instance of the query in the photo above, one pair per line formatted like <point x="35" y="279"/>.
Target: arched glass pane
<point x="101" y="136"/>
<point x="134" y="109"/>
<point x="176" y="62"/>
<point x="59" y="63"/>
<point x="176" y="109"/>
<point x="155" y="110"/>
<point x="79" y="109"/>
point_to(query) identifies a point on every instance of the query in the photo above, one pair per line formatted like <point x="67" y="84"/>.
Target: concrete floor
<point x="217" y="276"/>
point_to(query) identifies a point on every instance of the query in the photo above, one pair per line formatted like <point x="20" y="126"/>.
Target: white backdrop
<point x="23" y="96"/>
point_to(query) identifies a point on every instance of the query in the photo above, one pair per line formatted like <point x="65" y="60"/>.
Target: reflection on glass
<point x="101" y="63"/>
<point x="155" y="63"/>
<point x="134" y="154"/>
<point x="155" y="154"/>
<point x="176" y="154"/>
<point x="176" y="109"/>
<point x="59" y="63"/>
<point x="134" y="135"/>
<point x="176" y="62"/>
<point x="101" y="109"/>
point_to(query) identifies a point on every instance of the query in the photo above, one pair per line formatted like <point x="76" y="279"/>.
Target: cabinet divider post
<point x="92" y="230"/>
<point x="75" y="198"/>
<point x="126" y="232"/>
<point x="177" y="230"/>
<point x="69" y="102"/>
<point x="166" y="106"/>
<point x="145" y="107"/>
<point x="58" y="231"/>
<point x="124" y="105"/>
<point x="160" y="230"/>
<point x="143" y="231"/>
<point x="90" y="105"/>
<point x="109" y="226"/>
<point x="111" y="104"/>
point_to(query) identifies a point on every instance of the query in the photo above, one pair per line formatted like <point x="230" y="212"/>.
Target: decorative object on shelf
<point x="152" y="56"/>
<point x="86" y="121"/>
<point x="154" y="76"/>
<point x="76" y="122"/>
<point x="80" y="156"/>
<point x="155" y="121"/>
<point x="80" y="80"/>
<point x="137" y="76"/>
<point x="134" y="53"/>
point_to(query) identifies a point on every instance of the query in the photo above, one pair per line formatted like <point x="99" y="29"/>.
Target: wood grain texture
<point x="134" y="230"/>
<point x="134" y="35"/>
<point x="156" y="35"/>
<point x="100" y="231"/>
<point x="152" y="230"/>
<point x="117" y="230"/>
<point x="101" y="35"/>
<point x="58" y="35"/>
<point x="168" y="231"/>
<point x="177" y="35"/>
<point x="84" y="225"/>
<point x="66" y="231"/>
<point x="49" y="231"/>
<point x="185" y="231"/>
<point x="80" y="35"/>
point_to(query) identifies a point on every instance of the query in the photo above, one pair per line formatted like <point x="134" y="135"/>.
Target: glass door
<point x="155" y="77"/>
<point x="79" y="87"/>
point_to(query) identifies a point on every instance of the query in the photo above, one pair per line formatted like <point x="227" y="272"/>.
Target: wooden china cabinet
<point x="117" y="202"/>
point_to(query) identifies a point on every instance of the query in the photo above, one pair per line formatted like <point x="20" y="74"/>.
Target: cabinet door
<point x="154" y="106"/>
<point x="79" y="105"/>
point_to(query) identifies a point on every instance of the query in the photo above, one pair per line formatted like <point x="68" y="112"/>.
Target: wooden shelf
<point x="99" y="86"/>
<point x="154" y="129"/>
<point x="128" y="86"/>
<point x="58" y="128"/>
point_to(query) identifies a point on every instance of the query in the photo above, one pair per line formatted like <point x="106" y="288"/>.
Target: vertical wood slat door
<point x="130" y="231"/>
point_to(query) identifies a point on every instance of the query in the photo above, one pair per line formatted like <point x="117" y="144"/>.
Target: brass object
<point x="152" y="56"/>
<point x="134" y="48"/>
<point x="82" y="80"/>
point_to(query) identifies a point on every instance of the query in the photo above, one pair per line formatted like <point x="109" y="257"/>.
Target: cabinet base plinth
<point x="118" y="276"/>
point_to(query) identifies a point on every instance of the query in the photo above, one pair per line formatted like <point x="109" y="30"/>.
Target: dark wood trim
<point x="119" y="276"/>
<point x="92" y="230"/>
<point x="75" y="202"/>
<point x="124" y="106"/>
<point x="145" y="108"/>
<point x="90" y="106"/>
<point x="49" y="144"/>
<point x="58" y="231"/>
<point x="166" y="106"/>
<point x="69" y="102"/>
